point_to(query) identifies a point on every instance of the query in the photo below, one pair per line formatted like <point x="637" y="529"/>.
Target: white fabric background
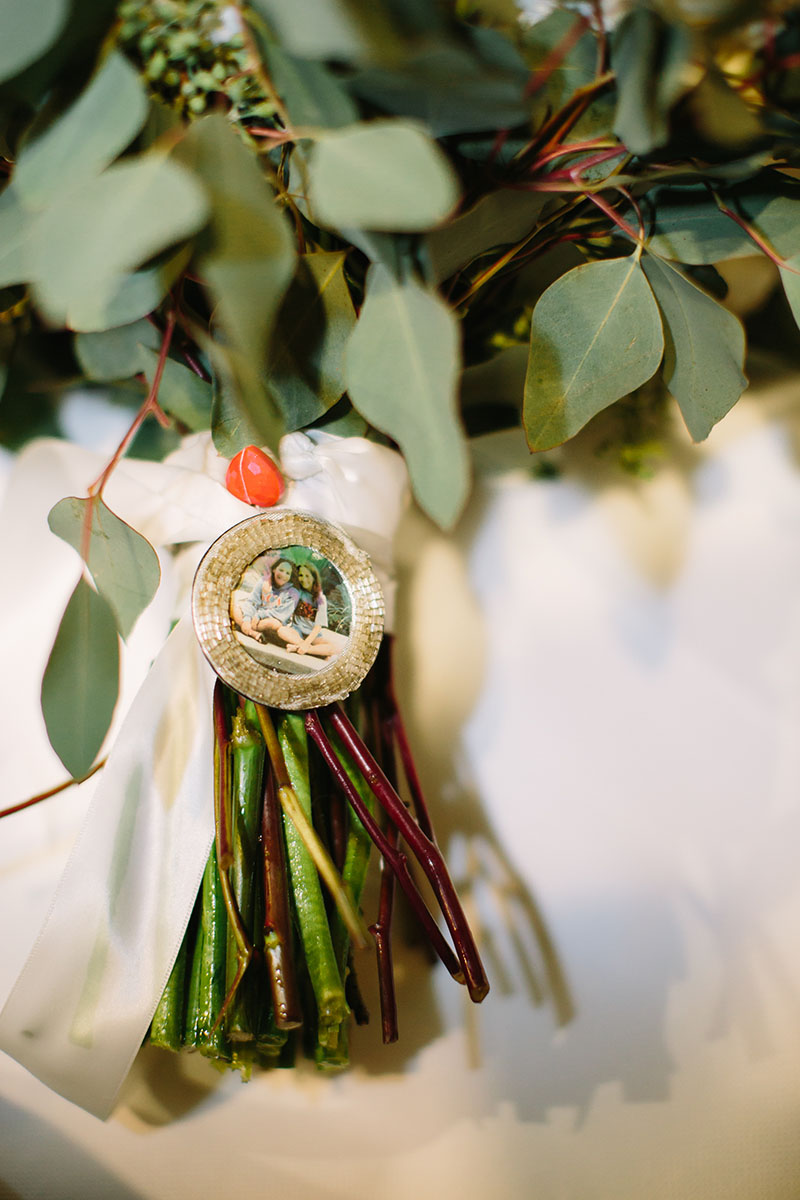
<point x="605" y="688"/>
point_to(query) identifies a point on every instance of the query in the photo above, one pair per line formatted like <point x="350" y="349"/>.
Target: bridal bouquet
<point x="311" y="248"/>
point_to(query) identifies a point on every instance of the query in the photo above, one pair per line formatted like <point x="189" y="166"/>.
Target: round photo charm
<point x="288" y="610"/>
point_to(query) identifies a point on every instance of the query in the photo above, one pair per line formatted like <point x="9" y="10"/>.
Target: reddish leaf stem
<point x="54" y="791"/>
<point x="425" y="851"/>
<point x="395" y="857"/>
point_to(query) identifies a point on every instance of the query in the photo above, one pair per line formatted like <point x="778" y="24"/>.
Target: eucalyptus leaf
<point x="652" y="60"/>
<point x="232" y="426"/>
<point x="498" y="219"/>
<point x="790" y="278"/>
<point x="27" y="31"/>
<point x="306" y="368"/>
<point x="104" y="119"/>
<point x="545" y="43"/>
<point x="689" y="226"/>
<point x="596" y="335"/>
<point x="181" y="393"/>
<point x="384" y="175"/>
<point x="90" y="238"/>
<point x="248" y="256"/>
<point x="402" y="366"/>
<point x="348" y="30"/>
<point x="703" y="352"/>
<point x="81" y="680"/>
<point x="448" y="89"/>
<point x="17" y="234"/>
<point x="312" y="94"/>
<point x="115" y="353"/>
<point x="135" y="295"/>
<point x="123" y="564"/>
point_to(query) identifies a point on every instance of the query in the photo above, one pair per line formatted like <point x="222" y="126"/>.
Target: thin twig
<point x="54" y="791"/>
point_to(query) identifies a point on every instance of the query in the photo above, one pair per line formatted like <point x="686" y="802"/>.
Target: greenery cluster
<point x="356" y="215"/>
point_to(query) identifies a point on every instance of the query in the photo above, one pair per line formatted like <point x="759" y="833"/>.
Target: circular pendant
<point x="288" y="610"/>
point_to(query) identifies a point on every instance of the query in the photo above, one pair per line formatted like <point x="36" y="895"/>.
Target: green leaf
<point x="349" y="30"/>
<point x="17" y="230"/>
<point x="115" y="353"/>
<point x="306" y="368"/>
<point x="690" y="227"/>
<point x="247" y="257"/>
<point x="91" y="237"/>
<point x="401" y="367"/>
<point x="449" y="89"/>
<point x="181" y="393"/>
<point x="104" y="119"/>
<point x="703" y="352"/>
<point x="790" y="278"/>
<point x="596" y="335"/>
<point x="652" y="61"/>
<point x="499" y="219"/>
<point x="136" y="295"/>
<point x="232" y="426"/>
<point x="27" y="31"/>
<point x="81" y="680"/>
<point x="312" y="95"/>
<point x="380" y="175"/>
<point x="123" y="564"/>
<point x="544" y="43"/>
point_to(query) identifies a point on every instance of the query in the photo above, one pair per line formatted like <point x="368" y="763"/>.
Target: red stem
<point x="54" y="791"/>
<point x="395" y="858"/>
<point x="381" y="930"/>
<point x="425" y="851"/>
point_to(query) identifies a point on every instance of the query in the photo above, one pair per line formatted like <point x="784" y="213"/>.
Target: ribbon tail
<point x="83" y="1002"/>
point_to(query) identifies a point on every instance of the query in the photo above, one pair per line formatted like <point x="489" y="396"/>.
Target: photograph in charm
<point x="291" y="610"/>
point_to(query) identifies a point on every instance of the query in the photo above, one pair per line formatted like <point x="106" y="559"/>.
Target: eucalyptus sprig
<point x="266" y="217"/>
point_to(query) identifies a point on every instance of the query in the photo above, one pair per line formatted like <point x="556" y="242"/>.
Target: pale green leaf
<point x="703" y="352"/>
<point x="115" y="353"/>
<point x="401" y="366"/>
<point x="136" y="295"/>
<point x="89" y="239"/>
<point x="313" y="96"/>
<point x="104" y="119"/>
<point x="596" y="335"/>
<point x="27" y="31"/>
<point x="384" y="174"/>
<point x="349" y="30"/>
<point x="81" y="680"/>
<point x="181" y="393"/>
<point x="123" y="564"/>
<point x="306" y="366"/>
<point x="17" y="233"/>
<point x="248" y="255"/>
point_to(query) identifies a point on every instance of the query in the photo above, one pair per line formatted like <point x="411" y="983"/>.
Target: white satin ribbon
<point x="85" y="997"/>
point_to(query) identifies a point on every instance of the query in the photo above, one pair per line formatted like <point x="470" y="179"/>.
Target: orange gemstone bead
<point x="252" y="476"/>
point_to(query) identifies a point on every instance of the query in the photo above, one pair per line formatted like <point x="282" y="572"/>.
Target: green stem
<point x="166" y="1028"/>
<point x="321" y="958"/>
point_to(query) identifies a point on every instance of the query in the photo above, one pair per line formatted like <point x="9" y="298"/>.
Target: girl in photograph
<point x="272" y="601"/>
<point x="306" y="633"/>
